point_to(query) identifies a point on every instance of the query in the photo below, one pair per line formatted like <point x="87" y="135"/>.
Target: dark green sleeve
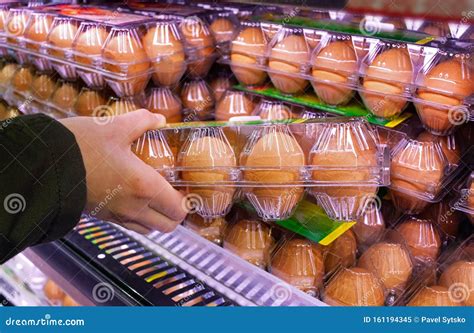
<point x="42" y="182"/>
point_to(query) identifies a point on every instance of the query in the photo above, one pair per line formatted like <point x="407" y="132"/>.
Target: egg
<point x="390" y="263"/>
<point x="208" y="151"/>
<point x="123" y="54"/>
<point x="212" y="229"/>
<point x="37" y="30"/>
<point x="421" y="238"/>
<point x="270" y="29"/>
<point x="68" y="301"/>
<point x="251" y="240"/>
<point x="313" y="37"/>
<point x="438" y="29"/>
<point x="89" y="42"/>
<point x="22" y="79"/>
<point x="53" y="292"/>
<point x="163" y="101"/>
<point x="65" y="96"/>
<point x="16" y="25"/>
<point x="61" y="37"/>
<point x="223" y="29"/>
<point x="273" y="147"/>
<point x="153" y="149"/>
<point x="233" y="104"/>
<point x="459" y="278"/>
<point x="220" y="84"/>
<point x="248" y="49"/>
<point x="273" y="110"/>
<point x="447" y="218"/>
<point x="200" y="45"/>
<point x="354" y="287"/>
<point x="289" y="55"/>
<point x="449" y="146"/>
<point x="89" y="103"/>
<point x="300" y="263"/>
<point x="416" y="169"/>
<point x="3" y="18"/>
<point x="165" y="48"/>
<point x="447" y="84"/>
<point x="369" y="228"/>
<point x="334" y="64"/>
<point x="197" y="97"/>
<point x="43" y="86"/>
<point x="341" y="252"/>
<point x="8" y="112"/>
<point x="433" y="296"/>
<point x="345" y="152"/>
<point x="385" y="81"/>
<point x="470" y="199"/>
<point x="7" y="72"/>
<point x="120" y="106"/>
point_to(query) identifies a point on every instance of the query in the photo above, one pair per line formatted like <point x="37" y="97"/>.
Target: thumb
<point x="140" y="121"/>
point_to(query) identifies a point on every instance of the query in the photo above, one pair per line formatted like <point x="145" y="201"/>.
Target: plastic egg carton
<point x="387" y="75"/>
<point x="464" y="201"/>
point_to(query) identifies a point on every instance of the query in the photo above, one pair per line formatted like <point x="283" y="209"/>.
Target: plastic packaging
<point x="234" y="104"/>
<point x="465" y="198"/>
<point x="341" y="252"/>
<point x="220" y="83"/>
<point x="369" y="228"/>
<point x="212" y="230"/>
<point x="273" y="110"/>
<point x="163" y="101"/>
<point x="197" y="99"/>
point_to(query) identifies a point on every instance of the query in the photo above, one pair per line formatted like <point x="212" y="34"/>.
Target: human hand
<point x="121" y="187"/>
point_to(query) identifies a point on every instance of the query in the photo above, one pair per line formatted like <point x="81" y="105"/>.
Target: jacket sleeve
<point x="42" y="182"/>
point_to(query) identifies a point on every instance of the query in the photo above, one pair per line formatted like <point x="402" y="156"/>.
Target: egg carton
<point x="387" y="75"/>
<point x="103" y="47"/>
<point x="464" y="200"/>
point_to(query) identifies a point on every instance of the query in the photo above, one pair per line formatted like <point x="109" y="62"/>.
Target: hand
<point x="120" y="187"/>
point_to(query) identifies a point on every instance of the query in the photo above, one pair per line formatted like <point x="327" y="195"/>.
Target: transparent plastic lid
<point x="165" y="102"/>
<point x="198" y="100"/>
<point x="341" y="252"/>
<point x="234" y="104"/>
<point x="434" y="295"/>
<point x="273" y="110"/>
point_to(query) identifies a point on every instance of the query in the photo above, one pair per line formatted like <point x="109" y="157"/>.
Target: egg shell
<point x="233" y="104"/>
<point x="68" y="301"/>
<point x="289" y="55"/>
<point x="197" y="96"/>
<point x="3" y="18"/>
<point x="390" y="263"/>
<point x="120" y="106"/>
<point x="270" y="110"/>
<point x="209" y="154"/>
<point x="212" y="229"/>
<point x="369" y="227"/>
<point x="439" y="29"/>
<point x="334" y="63"/>
<point x="220" y="85"/>
<point x="199" y="39"/>
<point x="61" y="37"/>
<point x="354" y="287"/>
<point x="470" y="200"/>
<point x="341" y="252"/>
<point x="89" y="103"/>
<point x="7" y="73"/>
<point x="248" y="46"/>
<point x="300" y="263"/>
<point x="449" y="146"/>
<point x="89" y="43"/>
<point x="460" y="277"/>
<point x="163" y="101"/>
<point x="387" y="75"/>
<point x="37" y="31"/>
<point x="53" y="292"/>
<point x="65" y="96"/>
<point x="166" y="51"/>
<point x="251" y="240"/>
<point x="433" y="296"/>
<point x="43" y="86"/>
<point x="421" y="238"/>
<point x="222" y="29"/>
<point x="153" y="149"/>
<point x="275" y="149"/>
<point x="22" y="79"/>
<point x="16" y="26"/>
<point x="447" y="83"/>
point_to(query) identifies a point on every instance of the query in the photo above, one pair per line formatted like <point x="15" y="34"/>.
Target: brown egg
<point x="369" y="228"/>
<point x="289" y="55"/>
<point x="220" y="85"/>
<point x="470" y="199"/>
<point x="300" y="263"/>
<point x="89" y="43"/>
<point x="53" y="292"/>
<point x="341" y="253"/>
<point x="199" y="39"/>
<point x="212" y="230"/>
<point x="7" y="73"/>
<point x="68" y="301"/>
<point x="197" y="97"/>
<point x="459" y="279"/>
<point x="209" y="151"/>
<point x="165" y="49"/>
<point x="416" y="169"/>
<point x="61" y="36"/>
<point x="3" y="18"/>
<point x="17" y="20"/>
<point x="433" y="296"/>
<point x="447" y="83"/>
<point x="65" y="96"/>
<point x="233" y="104"/>
<point x="438" y="29"/>
<point x="89" y="103"/>
<point x="37" y="30"/>
<point x="247" y="49"/>
<point x="345" y="153"/>
<point x="275" y="148"/>
<point x="354" y="287"/>
<point x="43" y="86"/>
<point x="222" y="29"/>
<point x="153" y="149"/>
<point x="251" y="240"/>
<point x="22" y="79"/>
<point x="120" y="106"/>
<point x="334" y="64"/>
<point x="273" y="110"/>
<point x="124" y="54"/>
<point x="421" y="238"/>
<point x="8" y="112"/>
<point x="449" y="146"/>
<point x="387" y="75"/>
<point x="390" y="263"/>
<point x="313" y="37"/>
<point x="163" y="101"/>
<point x="447" y="218"/>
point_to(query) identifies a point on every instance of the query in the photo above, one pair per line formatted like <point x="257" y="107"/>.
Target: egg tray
<point x="464" y="194"/>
